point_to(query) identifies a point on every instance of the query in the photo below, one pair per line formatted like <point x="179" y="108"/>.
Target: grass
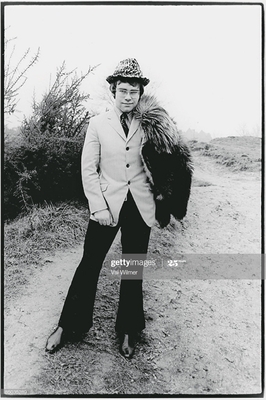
<point x="239" y="153"/>
<point x="29" y="238"/>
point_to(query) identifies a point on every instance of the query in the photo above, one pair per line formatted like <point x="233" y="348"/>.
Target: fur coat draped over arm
<point x="167" y="160"/>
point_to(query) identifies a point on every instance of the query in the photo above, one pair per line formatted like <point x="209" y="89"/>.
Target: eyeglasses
<point x="124" y="93"/>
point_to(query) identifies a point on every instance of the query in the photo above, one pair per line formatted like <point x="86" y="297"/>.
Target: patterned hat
<point x="128" y="68"/>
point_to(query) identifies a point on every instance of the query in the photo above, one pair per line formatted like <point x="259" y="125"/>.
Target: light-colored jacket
<point x="112" y="165"/>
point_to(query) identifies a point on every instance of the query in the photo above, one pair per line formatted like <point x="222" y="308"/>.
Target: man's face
<point x="127" y="96"/>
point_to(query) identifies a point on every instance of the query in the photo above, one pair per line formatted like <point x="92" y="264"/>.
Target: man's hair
<point x="131" y="81"/>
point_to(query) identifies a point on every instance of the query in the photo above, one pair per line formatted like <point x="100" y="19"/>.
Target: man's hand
<point x="104" y="217"/>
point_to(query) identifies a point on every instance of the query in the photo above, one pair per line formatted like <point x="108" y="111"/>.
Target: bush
<point x="49" y="171"/>
<point x="46" y="164"/>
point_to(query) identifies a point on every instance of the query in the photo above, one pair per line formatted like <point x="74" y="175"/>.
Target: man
<point x="119" y="197"/>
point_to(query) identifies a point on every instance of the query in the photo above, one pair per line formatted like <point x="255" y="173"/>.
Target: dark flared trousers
<point x="77" y="313"/>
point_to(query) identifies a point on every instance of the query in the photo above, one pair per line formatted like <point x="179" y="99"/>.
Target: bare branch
<point x="14" y="77"/>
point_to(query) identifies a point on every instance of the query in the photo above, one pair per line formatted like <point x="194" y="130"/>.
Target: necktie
<point x="123" y="120"/>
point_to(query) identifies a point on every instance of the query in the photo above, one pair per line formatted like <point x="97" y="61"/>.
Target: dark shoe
<point x="55" y="340"/>
<point x="128" y="343"/>
<point x="60" y="336"/>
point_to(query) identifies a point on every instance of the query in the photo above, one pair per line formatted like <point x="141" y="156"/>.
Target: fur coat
<point x="167" y="160"/>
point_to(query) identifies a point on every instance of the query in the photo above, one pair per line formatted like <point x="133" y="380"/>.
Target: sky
<point x="203" y="62"/>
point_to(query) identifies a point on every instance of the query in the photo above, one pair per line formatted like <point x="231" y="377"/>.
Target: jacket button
<point x="127" y="165"/>
<point x="127" y="148"/>
<point x="128" y="183"/>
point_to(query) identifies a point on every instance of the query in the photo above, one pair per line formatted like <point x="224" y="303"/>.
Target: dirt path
<point x="202" y="336"/>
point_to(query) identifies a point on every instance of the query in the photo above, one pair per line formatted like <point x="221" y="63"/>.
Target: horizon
<point x="15" y="130"/>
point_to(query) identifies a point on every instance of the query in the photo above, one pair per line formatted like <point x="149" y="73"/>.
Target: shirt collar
<point x="119" y="113"/>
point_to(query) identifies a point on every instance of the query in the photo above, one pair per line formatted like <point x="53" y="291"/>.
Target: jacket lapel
<point x="115" y="123"/>
<point x="133" y="128"/>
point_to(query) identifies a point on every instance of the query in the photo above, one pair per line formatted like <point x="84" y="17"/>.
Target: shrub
<point x="46" y="164"/>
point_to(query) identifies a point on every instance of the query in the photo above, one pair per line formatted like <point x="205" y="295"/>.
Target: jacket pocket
<point x="104" y="186"/>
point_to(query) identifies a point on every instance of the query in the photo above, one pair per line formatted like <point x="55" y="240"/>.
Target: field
<point x="240" y="153"/>
<point x="203" y="332"/>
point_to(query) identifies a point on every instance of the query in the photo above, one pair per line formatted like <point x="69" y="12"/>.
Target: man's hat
<point x="128" y="68"/>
